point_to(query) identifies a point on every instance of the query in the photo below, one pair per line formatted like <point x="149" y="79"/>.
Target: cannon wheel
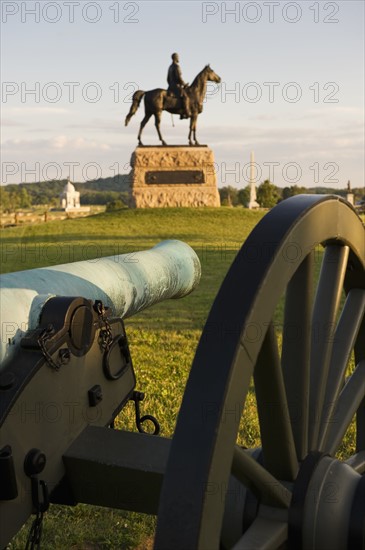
<point x="294" y="493"/>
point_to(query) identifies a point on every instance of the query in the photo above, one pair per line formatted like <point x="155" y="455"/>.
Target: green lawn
<point x="172" y="329"/>
<point x="164" y="336"/>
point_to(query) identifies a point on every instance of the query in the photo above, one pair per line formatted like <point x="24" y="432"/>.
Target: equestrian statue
<point x="179" y="99"/>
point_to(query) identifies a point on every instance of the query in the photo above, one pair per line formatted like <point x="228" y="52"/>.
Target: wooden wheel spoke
<point x="347" y="404"/>
<point x="357" y="462"/>
<point x="256" y="478"/>
<point x="360" y="427"/>
<point x="360" y="415"/>
<point x="324" y="316"/>
<point x="265" y="534"/>
<point x="296" y="350"/>
<point x="276" y="433"/>
<point x="344" y="340"/>
<point x="288" y="389"/>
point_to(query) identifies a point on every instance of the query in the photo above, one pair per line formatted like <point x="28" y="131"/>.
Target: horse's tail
<point x="137" y="98"/>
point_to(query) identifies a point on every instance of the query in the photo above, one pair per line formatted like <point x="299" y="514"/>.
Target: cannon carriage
<point x="207" y="491"/>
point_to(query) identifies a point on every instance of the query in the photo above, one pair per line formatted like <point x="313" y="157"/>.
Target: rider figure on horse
<point x="177" y="85"/>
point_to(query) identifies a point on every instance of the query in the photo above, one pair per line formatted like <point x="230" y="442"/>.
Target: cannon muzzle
<point x="127" y="283"/>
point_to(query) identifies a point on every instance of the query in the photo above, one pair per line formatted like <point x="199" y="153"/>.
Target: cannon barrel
<point x="127" y="283"/>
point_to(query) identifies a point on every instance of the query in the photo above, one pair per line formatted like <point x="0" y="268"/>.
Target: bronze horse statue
<point x="158" y="100"/>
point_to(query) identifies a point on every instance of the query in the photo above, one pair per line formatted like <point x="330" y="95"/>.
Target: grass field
<point x="164" y="336"/>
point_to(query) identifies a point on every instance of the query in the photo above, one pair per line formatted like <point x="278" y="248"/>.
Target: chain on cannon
<point x="307" y="258"/>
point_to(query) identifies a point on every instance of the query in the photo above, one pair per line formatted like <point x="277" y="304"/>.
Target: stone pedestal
<point x="173" y="176"/>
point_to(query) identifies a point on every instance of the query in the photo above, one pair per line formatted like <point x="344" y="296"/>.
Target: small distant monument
<point x="253" y="204"/>
<point x="349" y="194"/>
<point x="70" y="199"/>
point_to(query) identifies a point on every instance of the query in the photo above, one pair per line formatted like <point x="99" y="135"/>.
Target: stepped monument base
<point x="164" y="176"/>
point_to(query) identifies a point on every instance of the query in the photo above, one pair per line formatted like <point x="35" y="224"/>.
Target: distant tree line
<point x="113" y="191"/>
<point x="268" y="194"/>
<point x="20" y="196"/>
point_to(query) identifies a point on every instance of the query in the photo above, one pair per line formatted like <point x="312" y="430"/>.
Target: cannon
<point x="307" y="257"/>
<point x="66" y="361"/>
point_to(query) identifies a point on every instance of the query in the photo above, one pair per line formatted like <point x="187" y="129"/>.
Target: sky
<point x="292" y="86"/>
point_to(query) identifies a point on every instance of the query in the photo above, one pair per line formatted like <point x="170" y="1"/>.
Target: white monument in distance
<point x="253" y="203"/>
<point x="70" y="198"/>
<point x="349" y="194"/>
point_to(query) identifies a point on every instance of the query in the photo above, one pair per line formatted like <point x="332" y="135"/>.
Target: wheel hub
<point x="327" y="509"/>
<point x="328" y="505"/>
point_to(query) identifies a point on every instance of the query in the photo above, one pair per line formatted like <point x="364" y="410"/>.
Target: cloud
<point x="326" y="144"/>
<point x="38" y="110"/>
<point x="56" y="143"/>
<point x="99" y="125"/>
<point x="344" y="139"/>
<point x="263" y="117"/>
<point x="12" y="123"/>
<point x="333" y="112"/>
<point x="345" y="110"/>
<point x="299" y="137"/>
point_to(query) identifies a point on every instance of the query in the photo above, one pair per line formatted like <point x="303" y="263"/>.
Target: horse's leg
<point x="157" y="124"/>
<point x="190" y="130"/>
<point x="146" y="118"/>
<point x="193" y="124"/>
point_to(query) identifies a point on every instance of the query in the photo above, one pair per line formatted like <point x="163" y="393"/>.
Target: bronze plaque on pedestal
<point x="166" y="177"/>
